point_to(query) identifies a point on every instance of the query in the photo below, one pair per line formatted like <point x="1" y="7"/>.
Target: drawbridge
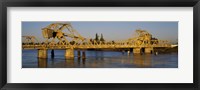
<point x="64" y="36"/>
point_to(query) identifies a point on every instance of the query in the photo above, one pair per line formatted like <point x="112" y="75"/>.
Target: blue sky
<point x="117" y="30"/>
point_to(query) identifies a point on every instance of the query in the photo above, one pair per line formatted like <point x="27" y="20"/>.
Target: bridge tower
<point x="64" y="34"/>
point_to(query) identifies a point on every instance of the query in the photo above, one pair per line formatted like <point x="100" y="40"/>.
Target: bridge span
<point x="42" y="49"/>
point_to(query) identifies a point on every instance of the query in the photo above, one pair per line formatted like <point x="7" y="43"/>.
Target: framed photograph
<point x="74" y="44"/>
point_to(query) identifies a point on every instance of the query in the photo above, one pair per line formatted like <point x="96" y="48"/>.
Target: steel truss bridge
<point x="64" y="36"/>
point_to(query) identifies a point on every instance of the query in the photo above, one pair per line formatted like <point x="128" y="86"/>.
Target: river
<point x="100" y="59"/>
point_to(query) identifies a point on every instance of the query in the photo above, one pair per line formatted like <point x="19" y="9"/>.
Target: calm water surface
<point x="99" y="59"/>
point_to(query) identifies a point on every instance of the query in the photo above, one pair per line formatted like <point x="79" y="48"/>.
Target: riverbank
<point x="159" y="50"/>
<point x="166" y="50"/>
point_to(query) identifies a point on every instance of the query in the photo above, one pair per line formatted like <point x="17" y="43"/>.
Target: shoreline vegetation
<point x="159" y="50"/>
<point x="167" y="50"/>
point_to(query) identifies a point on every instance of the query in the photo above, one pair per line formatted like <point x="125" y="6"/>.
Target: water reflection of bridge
<point x="138" y="61"/>
<point x="43" y="63"/>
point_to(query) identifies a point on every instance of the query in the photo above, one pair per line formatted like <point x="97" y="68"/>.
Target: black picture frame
<point x="98" y="3"/>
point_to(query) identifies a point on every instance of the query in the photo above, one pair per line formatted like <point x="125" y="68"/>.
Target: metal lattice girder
<point x="144" y="38"/>
<point x="62" y="31"/>
<point x="29" y="39"/>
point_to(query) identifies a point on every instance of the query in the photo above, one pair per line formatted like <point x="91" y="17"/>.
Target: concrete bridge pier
<point x="128" y="52"/>
<point x="83" y="55"/>
<point x="79" y="54"/>
<point x="69" y="53"/>
<point x="148" y="50"/>
<point x="52" y="53"/>
<point x="136" y="50"/>
<point x="42" y="53"/>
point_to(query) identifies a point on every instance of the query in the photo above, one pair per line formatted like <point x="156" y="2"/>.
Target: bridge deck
<point x="89" y="46"/>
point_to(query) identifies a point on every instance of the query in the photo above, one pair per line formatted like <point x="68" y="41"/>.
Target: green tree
<point x="102" y="39"/>
<point x="97" y="38"/>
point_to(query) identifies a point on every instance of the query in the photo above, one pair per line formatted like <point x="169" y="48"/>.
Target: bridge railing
<point x="58" y="46"/>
